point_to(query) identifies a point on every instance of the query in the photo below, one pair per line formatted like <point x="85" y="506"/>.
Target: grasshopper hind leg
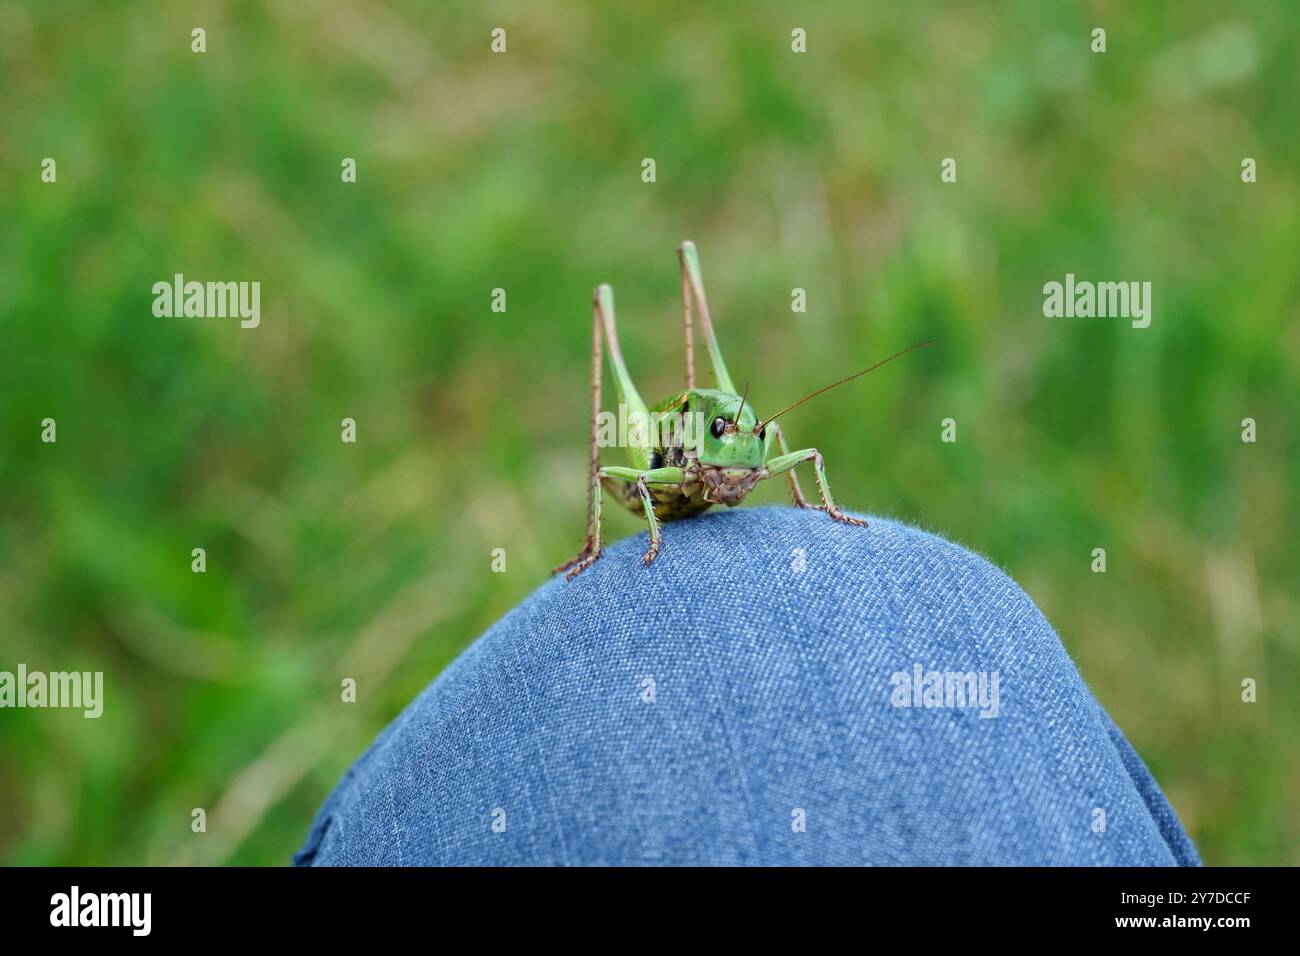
<point x="614" y="480"/>
<point x="623" y="491"/>
<point x="585" y="558"/>
<point x="630" y="487"/>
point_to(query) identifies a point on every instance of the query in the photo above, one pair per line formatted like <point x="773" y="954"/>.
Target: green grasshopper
<point x="677" y="471"/>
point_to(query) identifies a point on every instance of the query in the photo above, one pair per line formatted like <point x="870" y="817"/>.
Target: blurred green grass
<point x="522" y="171"/>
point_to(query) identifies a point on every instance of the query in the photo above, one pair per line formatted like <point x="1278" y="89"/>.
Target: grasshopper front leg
<point x="785" y="463"/>
<point x="652" y="476"/>
<point x="641" y="479"/>
<point x="795" y="490"/>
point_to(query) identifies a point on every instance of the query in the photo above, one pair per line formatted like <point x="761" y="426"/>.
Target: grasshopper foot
<point x="568" y="564"/>
<point x="839" y="515"/>
<point x="582" y="556"/>
<point x="580" y="564"/>
<point x="651" y="553"/>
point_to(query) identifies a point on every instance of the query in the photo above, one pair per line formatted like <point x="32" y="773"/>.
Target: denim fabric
<point x="700" y="710"/>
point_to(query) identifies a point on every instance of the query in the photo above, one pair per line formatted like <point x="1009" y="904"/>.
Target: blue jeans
<point x="777" y="688"/>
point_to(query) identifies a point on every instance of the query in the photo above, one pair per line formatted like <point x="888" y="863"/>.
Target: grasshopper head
<point x="731" y="439"/>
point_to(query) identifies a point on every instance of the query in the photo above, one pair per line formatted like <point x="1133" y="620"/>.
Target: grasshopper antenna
<point x="827" y="388"/>
<point x="736" y="420"/>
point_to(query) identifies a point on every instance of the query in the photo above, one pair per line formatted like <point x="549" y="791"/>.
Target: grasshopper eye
<point x="762" y="432"/>
<point x="718" y="427"/>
